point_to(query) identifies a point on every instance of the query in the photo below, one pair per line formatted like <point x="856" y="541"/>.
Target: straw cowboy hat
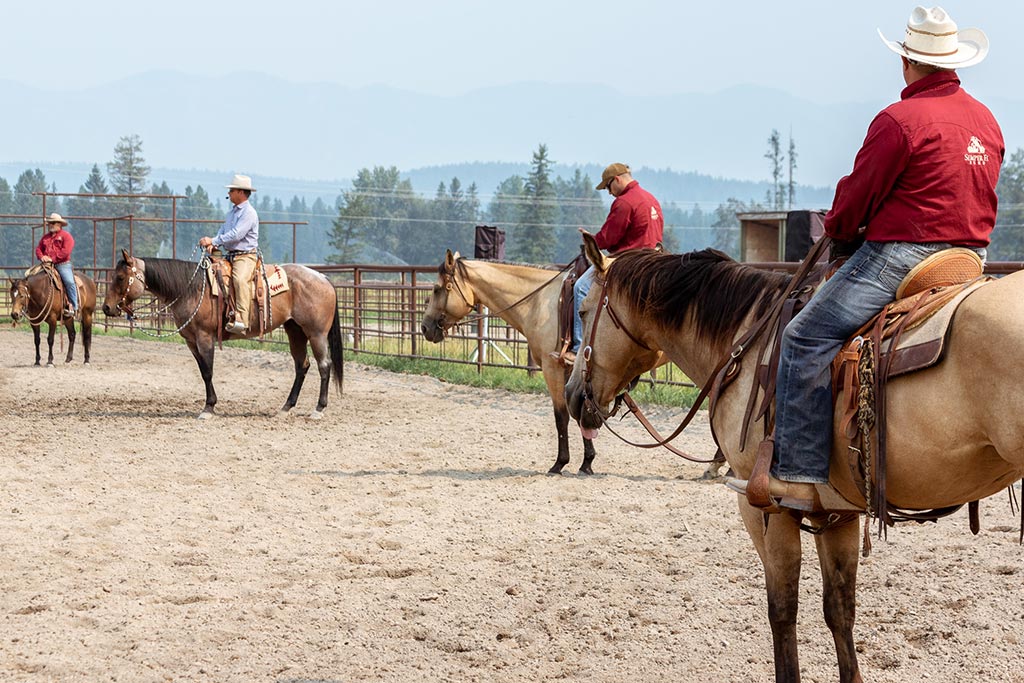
<point x="56" y="218"/>
<point x="241" y="182"/>
<point x="932" y="38"/>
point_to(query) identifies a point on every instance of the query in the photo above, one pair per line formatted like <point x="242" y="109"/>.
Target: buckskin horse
<point x="308" y="311"/>
<point x="526" y="297"/>
<point x="954" y="429"/>
<point x="38" y="300"/>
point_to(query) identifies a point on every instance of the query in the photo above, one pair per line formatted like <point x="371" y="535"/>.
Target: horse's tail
<point x="336" y="349"/>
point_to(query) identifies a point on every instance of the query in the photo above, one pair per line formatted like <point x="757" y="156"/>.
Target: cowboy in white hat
<point x="55" y="247"/>
<point x="924" y="180"/>
<point x="239" y="239"/>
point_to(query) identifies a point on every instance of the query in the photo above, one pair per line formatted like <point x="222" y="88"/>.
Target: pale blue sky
<point x="819" y="49"/>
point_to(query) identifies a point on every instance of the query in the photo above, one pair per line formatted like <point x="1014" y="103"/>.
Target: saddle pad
<point x="277" y="280"/>
<point x="921" y="345"/>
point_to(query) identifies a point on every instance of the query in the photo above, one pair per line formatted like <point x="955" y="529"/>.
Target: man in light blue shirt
<point x="239" y="239"/>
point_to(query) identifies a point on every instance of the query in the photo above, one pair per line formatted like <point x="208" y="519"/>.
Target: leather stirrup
<point x="757" y="485"/>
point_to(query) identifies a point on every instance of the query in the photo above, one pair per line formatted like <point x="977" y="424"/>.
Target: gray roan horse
<point x="526" y="297"/>
<point x="955" y="432"/>
<point x="308" y="311"/>
<point x="39" y="301"/>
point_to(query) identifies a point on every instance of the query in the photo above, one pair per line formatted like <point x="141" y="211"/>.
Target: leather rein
<point x="726" y="371"/>
<point x="449" y="281"/>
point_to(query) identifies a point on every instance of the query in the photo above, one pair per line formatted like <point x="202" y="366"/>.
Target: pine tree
<point x="128" y="170"/>
<point x="535" y="240"/>
<point x="791" y="185"/>
<point x="774" y="156"/>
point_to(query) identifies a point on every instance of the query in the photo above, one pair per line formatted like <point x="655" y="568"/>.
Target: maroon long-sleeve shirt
<point x="927" y="170"/>
<point x="56" y="245"/>
<point x="634" y="221"/>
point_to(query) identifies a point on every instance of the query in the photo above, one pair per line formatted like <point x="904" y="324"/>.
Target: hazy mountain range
<point x="309" y="138"/>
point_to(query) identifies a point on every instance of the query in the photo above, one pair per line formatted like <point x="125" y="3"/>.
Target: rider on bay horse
<point x="239" y="238"/>
<point x="55" y="247"/>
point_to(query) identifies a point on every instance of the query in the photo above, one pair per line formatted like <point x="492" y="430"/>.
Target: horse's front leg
<point x="51" y="330"/>
<point x="562" y="428"/>
<point x="35" y="337"/>
<point x="203" y="353"/>
<point x="838" y="555"/>
<point x="69" y="323"/>
<point x="779" y="549"/>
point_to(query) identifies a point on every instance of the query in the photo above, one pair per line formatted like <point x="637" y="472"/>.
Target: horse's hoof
<point x="86" y="363"/>
<point x="205" y="415"/>
<point x="586" y="471"/>
<point x="316" y="415"/>
<point x="556" y="469"/>
<point x="50" y="365"/>
<point x="281" y="414"/>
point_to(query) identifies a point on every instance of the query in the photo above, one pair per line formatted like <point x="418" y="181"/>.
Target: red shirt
<point x="56" y="245"/>
<point x="927" y="170"/>
<point x="634" y="221"/>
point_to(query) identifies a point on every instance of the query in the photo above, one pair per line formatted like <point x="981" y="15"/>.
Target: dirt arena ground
<point x="412" y="535"/>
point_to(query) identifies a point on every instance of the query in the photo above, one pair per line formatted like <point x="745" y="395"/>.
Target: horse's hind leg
<point x="297" y="344"/>
<point x="837" y="553"/>
<point x="779" y="548"/>
<point x="323" y="364"/>
<point x="70" y="325"/>
<point x="86" y="333"/>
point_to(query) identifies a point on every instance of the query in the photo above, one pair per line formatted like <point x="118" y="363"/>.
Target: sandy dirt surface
<point x="412" y="535"/>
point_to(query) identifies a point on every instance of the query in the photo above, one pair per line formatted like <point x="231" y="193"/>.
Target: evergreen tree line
<point x="382" y="219"/>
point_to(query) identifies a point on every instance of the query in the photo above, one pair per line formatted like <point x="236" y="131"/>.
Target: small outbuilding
<point x="773" y="236"/>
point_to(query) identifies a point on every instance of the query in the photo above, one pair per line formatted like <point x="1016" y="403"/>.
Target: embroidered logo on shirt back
<point x="976" y="153"/>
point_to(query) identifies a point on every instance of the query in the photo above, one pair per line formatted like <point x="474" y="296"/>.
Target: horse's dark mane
<point x="171" y="278"/>
<point x="715" y="289"/>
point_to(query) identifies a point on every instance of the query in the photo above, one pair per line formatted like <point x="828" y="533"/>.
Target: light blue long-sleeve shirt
<point x="241" y="229"/>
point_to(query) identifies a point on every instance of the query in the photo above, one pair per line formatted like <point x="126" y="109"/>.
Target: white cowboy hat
<point x="241" y="182"/>
<point x="932" y="38"/>
<point x="56" y="218"/>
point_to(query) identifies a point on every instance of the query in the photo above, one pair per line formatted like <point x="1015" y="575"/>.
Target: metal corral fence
<point x="381" y="308"/>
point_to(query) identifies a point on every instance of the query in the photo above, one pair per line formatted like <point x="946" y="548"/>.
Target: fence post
<point x="412" y="312"/>
<point x="357" y="318"/>
<point x="480" y="341"/>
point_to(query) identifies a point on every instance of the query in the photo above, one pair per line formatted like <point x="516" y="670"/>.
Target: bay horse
<point x="36" y="299"/>
<point x="308" y="310"/>
<point x="695" y="307"/>
<point x="526" y="297"/>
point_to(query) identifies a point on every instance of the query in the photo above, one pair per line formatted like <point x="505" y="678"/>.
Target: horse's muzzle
<point x="432" y="332"/>
<point x="112" y="312"/>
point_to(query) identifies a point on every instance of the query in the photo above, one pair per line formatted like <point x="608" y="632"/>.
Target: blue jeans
<point x="67" y="276"/>
<point x="579" y="293"/>
<point x="859" y="289"/>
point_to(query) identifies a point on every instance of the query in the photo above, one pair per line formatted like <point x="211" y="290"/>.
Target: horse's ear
<point x="449" y="259"/>
<point x="593" y="251"/>
<point x="124" y="254"/>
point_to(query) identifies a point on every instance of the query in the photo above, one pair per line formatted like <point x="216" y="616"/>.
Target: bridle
<point x="123" y="304"/>
<point x="22" y="290"/>
<point x="591" y="405"/>
<point x="449" y="281"/>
